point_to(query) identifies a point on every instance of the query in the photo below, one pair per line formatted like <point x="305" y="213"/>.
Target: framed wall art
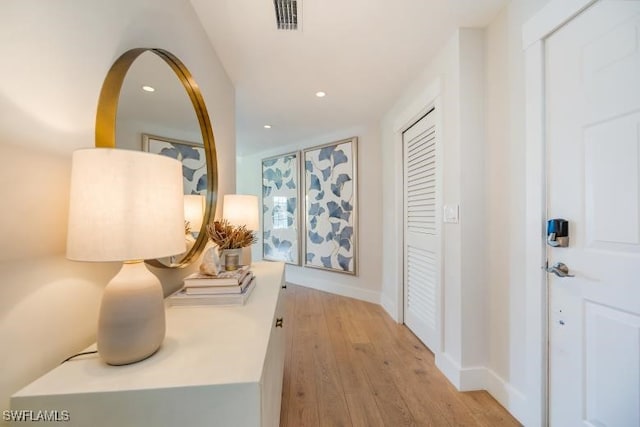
<point x="330" y="214"/>
<point x="192" y="156"/>
<point x="280" y="208"/>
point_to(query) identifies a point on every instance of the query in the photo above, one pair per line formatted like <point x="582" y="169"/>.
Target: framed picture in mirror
<point x="190" y="154"/>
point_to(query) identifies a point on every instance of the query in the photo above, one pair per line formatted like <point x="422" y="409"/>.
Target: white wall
<point x="438" y="78"/>
<point x="505" y="219"/>
<point x="55" y="57"/>
<point x="497" y="193"/>
<point x="366" y="285"/>
<point x="484" y="306"/>
<point x="458" y="72"/>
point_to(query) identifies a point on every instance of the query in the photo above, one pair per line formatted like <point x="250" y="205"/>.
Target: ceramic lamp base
<point x="131" y="326"/>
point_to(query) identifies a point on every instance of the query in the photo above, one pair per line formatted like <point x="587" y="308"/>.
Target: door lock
<point x="559" y="269"/>
<point x="558" y="233"/>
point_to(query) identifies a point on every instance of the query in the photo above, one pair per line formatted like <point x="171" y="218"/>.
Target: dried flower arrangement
<point x="228" y="236"/>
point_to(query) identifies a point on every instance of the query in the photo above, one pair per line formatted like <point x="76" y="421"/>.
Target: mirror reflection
<point x="160" y="110"/>
<point x="154" y="102"/>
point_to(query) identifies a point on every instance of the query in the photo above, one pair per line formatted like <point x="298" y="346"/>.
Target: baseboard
<point x="390" y="307"/>
<point x="481" y="378"/>
<point x="473" y="378"/>
<point x="463" y="379"/>
<point x="342" y="290"/>
<point x="450" y="368"/>
<point x="508" y="396"/>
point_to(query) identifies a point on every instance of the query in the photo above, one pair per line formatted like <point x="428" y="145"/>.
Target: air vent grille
<point x="287" y="14"/>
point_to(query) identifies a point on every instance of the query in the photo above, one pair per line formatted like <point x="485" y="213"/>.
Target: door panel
<point x="611" y="184"/>
<point x="609" y="60"/>
<point x="422" y="231"/>
<point x="592" y="92"/>
<point x="612" y="353"/>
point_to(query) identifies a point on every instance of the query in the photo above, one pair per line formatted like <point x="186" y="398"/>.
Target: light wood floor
<point x="349" y="364"/>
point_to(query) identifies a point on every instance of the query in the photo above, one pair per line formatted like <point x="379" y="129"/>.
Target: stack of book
<point x="227" y="288"/>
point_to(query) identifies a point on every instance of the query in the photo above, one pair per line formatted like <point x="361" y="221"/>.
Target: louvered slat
<point x="429" y="145"/>
<point x="420" y="199"/>
<point x="425" y="202"/>
<point x="421" y="285"/>
<point x="428" y="134"/>
<point x="422" y="270"/>
<point x="421" y="180"/>
<point x="419" y="156"/>
<point x="418" y="165"/>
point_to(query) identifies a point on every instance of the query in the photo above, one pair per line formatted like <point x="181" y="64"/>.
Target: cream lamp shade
<point x="119" y="201"/>
<point x="194" y="211"/>
<point x="126" y="206"/>
<point x="241" y="209"/>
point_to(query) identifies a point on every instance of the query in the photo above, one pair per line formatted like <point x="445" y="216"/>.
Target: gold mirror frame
<point x="106" y="131"/>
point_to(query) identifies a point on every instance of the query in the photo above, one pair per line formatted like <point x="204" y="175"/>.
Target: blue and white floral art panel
<point x="190" y="154"/>
<point x="280" y="208"/>
<point x="330" y="206"/>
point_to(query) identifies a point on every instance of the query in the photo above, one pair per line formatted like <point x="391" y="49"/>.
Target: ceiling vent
<point x="287" y="14"/>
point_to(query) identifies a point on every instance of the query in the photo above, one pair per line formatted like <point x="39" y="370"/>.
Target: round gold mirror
<point x="150" y="101"/>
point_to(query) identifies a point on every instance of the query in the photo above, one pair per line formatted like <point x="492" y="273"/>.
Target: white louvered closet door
<point x="422" y="248"/>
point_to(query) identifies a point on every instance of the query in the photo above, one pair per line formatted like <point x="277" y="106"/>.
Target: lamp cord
<point x="79" y="354"/>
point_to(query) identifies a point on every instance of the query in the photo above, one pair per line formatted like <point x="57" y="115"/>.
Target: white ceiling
<point x="362" y="53"/>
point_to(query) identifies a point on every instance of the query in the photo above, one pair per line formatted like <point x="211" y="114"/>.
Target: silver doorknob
<point x="559" y="269"/>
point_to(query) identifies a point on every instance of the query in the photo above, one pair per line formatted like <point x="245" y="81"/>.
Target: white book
<point x="224" y="278"/>
<point x="181" y="298"/>
<point x="209" y="290"/>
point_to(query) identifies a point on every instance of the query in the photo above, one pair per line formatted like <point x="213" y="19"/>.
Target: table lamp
<point x="194" y="211"/>
<point x="126" y="206"/>
<point x="242" y="209"/>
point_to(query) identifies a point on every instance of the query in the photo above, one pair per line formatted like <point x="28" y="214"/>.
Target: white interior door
<point x="592" y="91"/>
<point x="422" y="231"/>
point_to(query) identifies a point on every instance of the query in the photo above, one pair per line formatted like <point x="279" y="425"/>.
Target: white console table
<point x="218" y="366"/>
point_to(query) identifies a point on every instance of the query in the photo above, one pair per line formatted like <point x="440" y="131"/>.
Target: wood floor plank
<point x="302" y="406"/>
<point x="353" y="328"/>
<point x="393" y="409"/>
<point x="349" y="363"/>
<point x="289" y="301"/>
<point x="332" y="407"/>
<point x="362" y="406"/>
<point x="408" y="374"/>
<point x="492" y="414"/>
<point x="486" y="410"/>
<point x="443" y="398"/>
<point x="363" y="410"/>
<point x="352" y="375"/>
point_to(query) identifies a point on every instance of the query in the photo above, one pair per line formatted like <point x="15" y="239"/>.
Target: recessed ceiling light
<point x="320" y="94"/>
<point x="267" y="126"/>
<point x="148" y="88"/>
